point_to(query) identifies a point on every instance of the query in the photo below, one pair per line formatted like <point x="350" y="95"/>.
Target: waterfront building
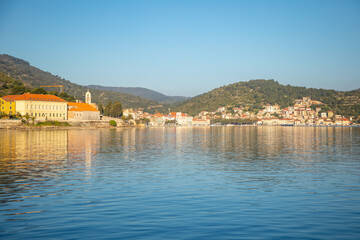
<point x="200" y="122"/>
<point x="180" y="118"/>
<point x="129" y="112"/>
<point x="157" y="119"/>
<point x="40" y="106"/>
<point x="82" y="111"/>
<point x="342" y="122"/>
<point x="8" y="105"/>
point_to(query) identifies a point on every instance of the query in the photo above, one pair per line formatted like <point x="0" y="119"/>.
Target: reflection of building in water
<point x="82" y="144"/>
<point x="37" y="145"/>
<point x="32" y="152"/>
<point x="7" y="145"/>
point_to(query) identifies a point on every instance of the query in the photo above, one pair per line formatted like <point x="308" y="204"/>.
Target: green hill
<point x="256" y="93"/>
<point x="10" y="86"/>
<point x="33" y="77"/>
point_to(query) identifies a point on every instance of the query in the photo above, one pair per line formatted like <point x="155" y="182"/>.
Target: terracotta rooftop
<point x="10" y="98"/>
<point x="34" y="97"/>
<point x="81" y="107"/>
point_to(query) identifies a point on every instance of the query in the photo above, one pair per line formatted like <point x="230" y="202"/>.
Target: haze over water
<point x="180" y="183"/>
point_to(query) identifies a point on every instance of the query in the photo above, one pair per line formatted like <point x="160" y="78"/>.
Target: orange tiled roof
<point x="81" y="107"/>
<point x="10" y="98"/>
<point x="35" y="97"/>
<point x="158" y="115"/>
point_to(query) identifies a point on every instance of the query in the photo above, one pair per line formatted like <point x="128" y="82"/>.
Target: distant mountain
<point x="256" y="93"/>
<point x="33" y="77"/>
<point x="142" y="92"/>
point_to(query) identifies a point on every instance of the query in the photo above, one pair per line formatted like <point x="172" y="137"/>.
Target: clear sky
<point x="187" y="47"/>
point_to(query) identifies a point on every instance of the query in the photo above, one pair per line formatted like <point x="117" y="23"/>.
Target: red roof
<point x="35" y="97"/>
<point x="10" y="98"/>
<point x="81" y="107"/>
<point x="158" y="115"/>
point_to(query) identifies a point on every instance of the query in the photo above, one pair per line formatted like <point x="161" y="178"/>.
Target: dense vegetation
<point x="33" y="77"/>
<point x="256" y="93"/>
<point x="111" y="109"/>
<point x="11" y="86"/>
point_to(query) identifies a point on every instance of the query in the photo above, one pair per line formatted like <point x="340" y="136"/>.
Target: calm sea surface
<point x="181" y="183"/>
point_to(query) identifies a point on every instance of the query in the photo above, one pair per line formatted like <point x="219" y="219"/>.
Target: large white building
<point x="41" y="106"/>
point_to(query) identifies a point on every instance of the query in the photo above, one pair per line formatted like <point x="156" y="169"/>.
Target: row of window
<point x="45" y="99"/>
<point x="46" y="115"/>
<point x="45" y="107"/>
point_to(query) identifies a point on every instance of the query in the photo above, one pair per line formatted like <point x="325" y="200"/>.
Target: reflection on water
<point x="201" y="182"/>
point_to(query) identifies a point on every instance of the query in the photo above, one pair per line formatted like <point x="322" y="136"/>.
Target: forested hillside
<point x="33" y="77"/>
<point x="256" y="93"/>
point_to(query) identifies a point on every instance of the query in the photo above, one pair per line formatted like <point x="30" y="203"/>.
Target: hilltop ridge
<point x="143" y="93"/>
<point x="257" y="93"/>
<point x="33" y="77"/>
<point x="253" y="94"/>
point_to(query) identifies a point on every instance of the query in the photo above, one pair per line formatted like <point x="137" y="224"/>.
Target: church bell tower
<point x="88" y="97"/>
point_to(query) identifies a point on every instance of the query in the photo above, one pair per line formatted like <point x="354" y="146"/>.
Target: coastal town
<point x="45" y="107"/>
<point x="305" y="112"/>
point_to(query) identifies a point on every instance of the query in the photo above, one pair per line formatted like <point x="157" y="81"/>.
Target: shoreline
<point x="39" y="128"/>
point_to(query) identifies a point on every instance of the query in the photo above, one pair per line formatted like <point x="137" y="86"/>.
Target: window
<point x="10" y="108"/>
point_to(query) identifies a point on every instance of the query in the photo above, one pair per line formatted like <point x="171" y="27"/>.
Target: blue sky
<point x="187" y="47"/>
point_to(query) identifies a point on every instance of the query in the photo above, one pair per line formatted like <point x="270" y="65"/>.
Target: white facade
<point x="42" y="110"/>
<point x="88" y="97"/>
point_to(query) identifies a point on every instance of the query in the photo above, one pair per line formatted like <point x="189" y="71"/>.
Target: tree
<point x="33" y="119"/>
<point x="66" y="97"/>
<point x="27" y="116"/>
<point x="39" y="91"/>
<point x="101" y="108"/>
<point x="18" y="90"/>
<point x="116" y="110"/>
<point x="108" y="108"/>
